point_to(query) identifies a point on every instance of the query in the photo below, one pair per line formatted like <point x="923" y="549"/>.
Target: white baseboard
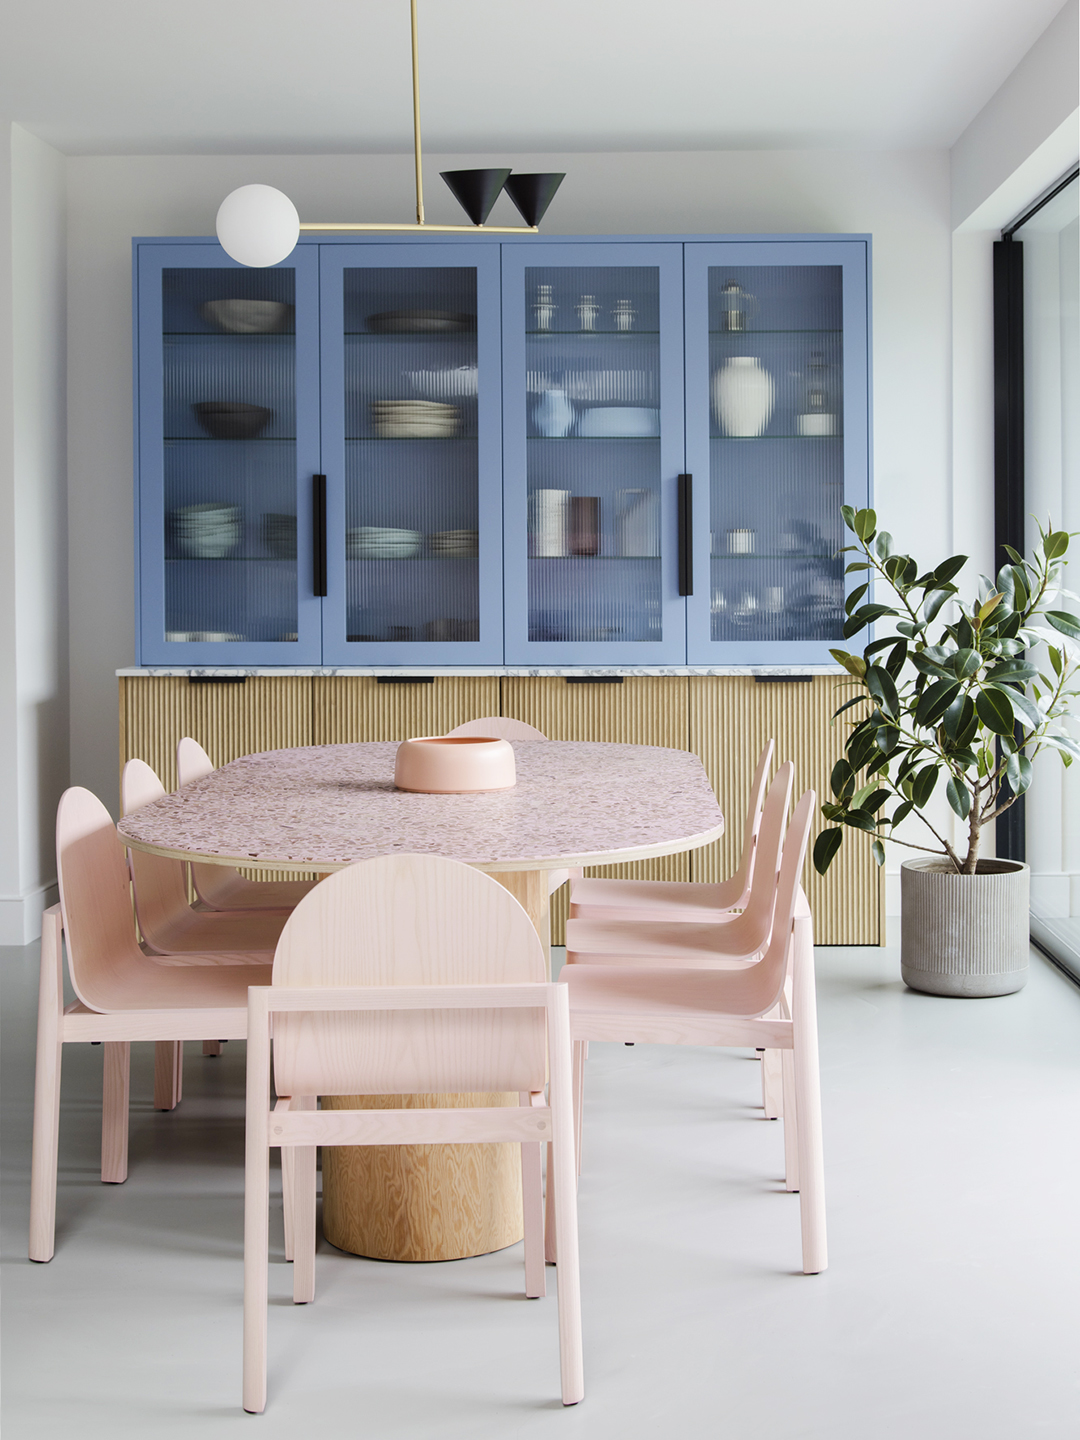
<point x="20" y="915"/>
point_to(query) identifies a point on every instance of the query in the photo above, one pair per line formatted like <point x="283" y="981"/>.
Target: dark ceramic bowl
<point x="229" y="420"/>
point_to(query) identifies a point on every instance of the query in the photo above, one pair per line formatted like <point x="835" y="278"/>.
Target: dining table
<point x="319" y="808"/>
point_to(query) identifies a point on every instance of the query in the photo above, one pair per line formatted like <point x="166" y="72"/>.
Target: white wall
<point x="33" y="483"/>
<point x="901" y="198"/>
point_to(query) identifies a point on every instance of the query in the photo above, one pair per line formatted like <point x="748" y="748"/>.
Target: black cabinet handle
<point x="686" y="535"/>
<point x="318" y="533"/>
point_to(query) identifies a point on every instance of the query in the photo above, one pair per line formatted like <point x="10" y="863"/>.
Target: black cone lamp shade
<point x="532" y="194"/>
<point x="476" y="190"/>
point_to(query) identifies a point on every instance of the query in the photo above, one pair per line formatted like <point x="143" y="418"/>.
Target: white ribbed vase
<point x="964" y="935"/>
<point x="743" y="393"/>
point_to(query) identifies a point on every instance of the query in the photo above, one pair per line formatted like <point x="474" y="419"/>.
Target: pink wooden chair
<point x="667" y="900"/>
<point x="123" y="995"/>
<point x="407" y="974"/>
<point x="221" y="887"/>
<point x="667" y="1004"/>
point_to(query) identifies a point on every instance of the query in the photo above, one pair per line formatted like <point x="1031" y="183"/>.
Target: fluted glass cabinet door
<point x="593" y="448"/>
<point x="411" y="436"/>
<point x="777" y="441"/>
<point x="228" y="444"/>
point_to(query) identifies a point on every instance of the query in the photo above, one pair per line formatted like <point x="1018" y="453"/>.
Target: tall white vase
<point x="744" y="395"/>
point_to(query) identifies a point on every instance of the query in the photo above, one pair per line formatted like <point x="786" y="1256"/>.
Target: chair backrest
<point x="160" y="888"/>
<point x="745" y="873"/>
<point x="499" y="727"/>
<point x="767" y="977"/>
<point x="409" y="920"/>
<point x="95" y="901"/>
<point x="757" y="916"/>
<point x="192" y="761"/>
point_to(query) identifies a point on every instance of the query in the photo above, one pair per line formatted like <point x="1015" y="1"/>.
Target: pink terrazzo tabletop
<point x="324" y="806"/>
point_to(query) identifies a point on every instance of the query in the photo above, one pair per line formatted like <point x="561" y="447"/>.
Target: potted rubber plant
<point x="962" y="711"/>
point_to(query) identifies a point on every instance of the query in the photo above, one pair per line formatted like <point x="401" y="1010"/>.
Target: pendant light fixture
<point x="259" y="226"/>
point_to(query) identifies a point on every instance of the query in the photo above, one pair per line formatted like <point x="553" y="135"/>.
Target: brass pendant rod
<point x="411" y="225"/>
<point x="416" y="115"/>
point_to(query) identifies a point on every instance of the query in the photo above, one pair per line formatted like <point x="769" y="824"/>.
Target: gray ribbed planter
<point x="964" y="935"/>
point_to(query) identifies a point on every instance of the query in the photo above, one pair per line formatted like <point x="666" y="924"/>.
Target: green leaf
<point x="855" y="596"/>
<point x="853" y="664"/>
<point x="922" y="787"/>
<point x="989" y="606"/>
<point x="1065" y="743"/>
<point x="959" y="797"/>
<point x="862" y="746"/>
<point x="948" y="568"/>
<point x="935" y="701"/>
<point x="902" y="812"/>
<point x="1012" y="554"/>
<point x="1031" y="715"/>
<point x="1018" y="770"/>
<point x="995" y="710"/>
<point x="842" y="780"/>
<point x="958" y="717"/>
<point x="1012" y="670"/>
<point x="1066" y="623"/>
<point x="874" y="802"/>
<point x="865" y="525"/>
<point x="966" y="663"/>
<point x="934" y="600"/>
<point x="856" y="565"/>
<point x="861" y="820"/>
<point x="1055" y="659"/>
<point x="1055" y="544"/>
<point x="825" y="847"/>
<point x="859" y="700"/>
<point x="882" y="687"/>
<point x="887" y="739"/>
<point x="878" y="852"/>
<point x="883" y="545"/>
<point x="848" y="512"/>
<point x="896" y="658"/>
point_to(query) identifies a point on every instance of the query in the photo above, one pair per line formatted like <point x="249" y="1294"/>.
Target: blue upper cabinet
<point x="592" y="452"/>
<point x="227" y="406"/>
<point x="777" y="436"/>
<point x="438" y="451"/>
<point x="412" y="403"/>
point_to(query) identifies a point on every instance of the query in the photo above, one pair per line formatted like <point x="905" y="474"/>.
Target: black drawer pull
<point x="406" y="679"/>
<point x="594" y="679"/>
<point x="216" y="679"/>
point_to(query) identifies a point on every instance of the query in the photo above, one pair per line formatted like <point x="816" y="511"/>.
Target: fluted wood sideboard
<point x="724" y="719"/>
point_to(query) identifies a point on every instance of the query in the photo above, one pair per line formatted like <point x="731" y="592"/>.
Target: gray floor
<point x="949" y="1309"/>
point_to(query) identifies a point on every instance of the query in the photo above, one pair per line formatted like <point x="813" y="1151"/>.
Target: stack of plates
<point x="198" y="637"/>
<point x="206" y="532"/>
<point x="455" y="542"/>
<point x="279" y="535"/>
<point x="413" y="419"/>
<point x="375" y="542"/>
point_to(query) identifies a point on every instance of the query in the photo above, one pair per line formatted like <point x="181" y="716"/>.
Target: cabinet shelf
<point x="747" y="439"/>
<point x="592" y="334"/>
<point x="591" y="439"/>
<point x="215" y="440"/>
<point x="740" y="334"/>
<point x="775" y="555"/>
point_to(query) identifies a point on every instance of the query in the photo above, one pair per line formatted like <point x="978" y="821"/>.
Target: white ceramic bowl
<point x="246" y="317"/>
<point x="635" y="421"/>
<point x="455" y="765"/>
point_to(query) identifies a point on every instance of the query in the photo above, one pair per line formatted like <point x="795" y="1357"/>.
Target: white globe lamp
<point x="258" y="225"/>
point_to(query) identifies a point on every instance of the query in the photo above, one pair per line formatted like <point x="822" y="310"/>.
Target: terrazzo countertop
<point x="322" y="807"/>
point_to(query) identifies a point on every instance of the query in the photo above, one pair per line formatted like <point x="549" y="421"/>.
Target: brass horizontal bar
<point x="456" y="229"/>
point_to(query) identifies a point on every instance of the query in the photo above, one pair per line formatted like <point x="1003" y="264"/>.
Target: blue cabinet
<point x="432" y="451"/>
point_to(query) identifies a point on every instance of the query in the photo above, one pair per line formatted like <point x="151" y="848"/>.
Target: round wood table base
<point x="421" y="1202"/>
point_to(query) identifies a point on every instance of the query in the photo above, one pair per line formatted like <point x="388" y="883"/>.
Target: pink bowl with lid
<point x="455" y="765"/>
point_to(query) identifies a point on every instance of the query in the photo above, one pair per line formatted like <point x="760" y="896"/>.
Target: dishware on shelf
<point x="414" y="419"/>
<point x="736" y="307"/>
<point x="454" y="765"/>
<point x="447" y="629"/>
<point x="548" y="517"/>
<point x="587" y="312"/>
<point x="231" y="420"/>
<point x="584" y="528"/>
<point x="623" y="315"/>
<point x="774" y="598"/>
<point x="532" y="194"/>
<point x="637" y="523"/>
<point x="741" y="541"/>
<point x="199" y="637"/>
<point x="543" y="308"/>
<point x="401" y="632"/>
<point x="459" y="382"/>
<point x="381" y="542"/>
<point x="743" y="396"/>
<point x="206" y="532"/>
<point x="553" y="414"/>
<point x="241" y="316"/>
<point x="279" y="535"/>
<point x="476" y="190"/>
<point x="630" y="422"/>
<point x="818" y="413"/>
<point x="420" y="322"/>
<point x="454" y="544"/>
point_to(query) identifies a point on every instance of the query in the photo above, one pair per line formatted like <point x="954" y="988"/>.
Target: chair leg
<point x="772" y="1084"/>
<point x="808" y="1092"/>
<point x="256" y="1202"/>
<point x="115" y="1094"/>
<point x="564" y="1184"/>
<point x="168" y="1073"/>
<point x="550" y="1246"/>
<point x="532" y="1195"/>
<point x="288" y="1183"/>
<point x="303" y="1213"/>
<point x="211" y="1047"/>
<point x="579" y="1051"/>
<point x="790" y="1110"/>
<point x="50" y="1047"/>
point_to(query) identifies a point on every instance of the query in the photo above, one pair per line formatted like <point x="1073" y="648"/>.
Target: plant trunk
<point x="971" y="859"/>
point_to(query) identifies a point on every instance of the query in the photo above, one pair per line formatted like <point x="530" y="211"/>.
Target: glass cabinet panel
<point x="219" y="531"/>
<point x="594" y="380"/>
<point x="773" y="458"/>
<point x="413" y="427"/>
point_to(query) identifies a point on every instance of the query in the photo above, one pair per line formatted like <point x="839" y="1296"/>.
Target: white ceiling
<point x="219" y="76"/>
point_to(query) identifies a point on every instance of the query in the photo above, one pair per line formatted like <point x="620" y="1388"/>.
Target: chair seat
<point x="213" y="930"/>
<point x="690" y="946"/>
<point x="667" y="994"/>
<point x="234" y="892"/>
<point x="207" y="979"/>
<point x="662" y="900"/>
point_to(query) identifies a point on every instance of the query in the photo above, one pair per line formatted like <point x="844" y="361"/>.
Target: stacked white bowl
<point x="413" y="419"/>
<point x="379" y="542"/>
<point x="455" y="543"/>
<point x="206" y="532"/>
